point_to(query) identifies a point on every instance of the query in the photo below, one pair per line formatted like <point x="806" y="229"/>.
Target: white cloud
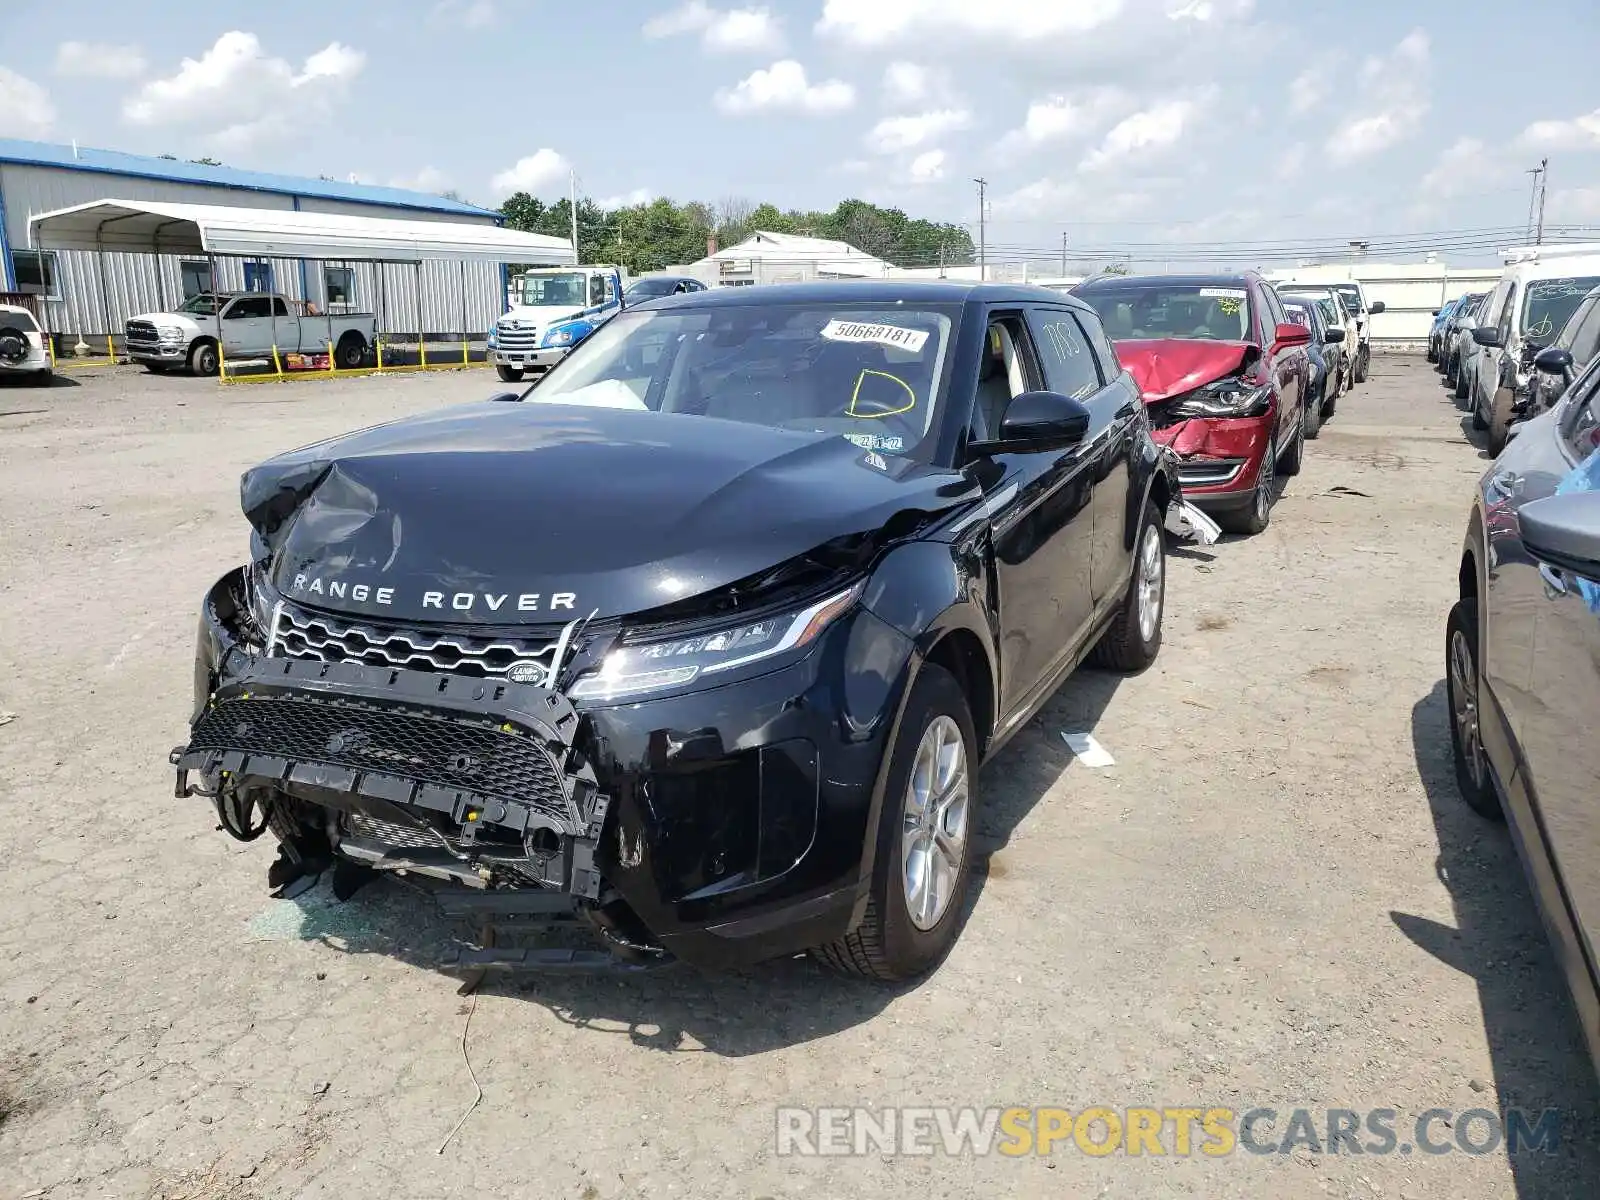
<point x="783" y="87"/>
<point x="1068" y="117"/>
<point x="1150" y="130"/>
<point x="878" y="22"/>
<point x="427" y="179"/>
<point x="1574" y="204"/>
<point x="25" y="108"/>
<point x="1457" y="171"/>
<point x="907" y="83"/>
<point x="893" y="135"/>
<point x="1053" y="199"/>
<point x="465" y="14"/>
<point x="99" y="60"/>
<point x="1580" y="133"/>
<point x="723" y="30"/>
<point x="1393" y="99"/>
<point x="1310" y="88"/>
<point x="627" y="199"/>
<point x="538" y="173"/>
<point x="1292" y="164"/>
<point x="236" y="95"/>
<point x="927" y="167"/>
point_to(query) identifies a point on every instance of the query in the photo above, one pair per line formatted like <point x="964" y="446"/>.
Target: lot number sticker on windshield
<point x="1222" y="293"/>
<point x="884" y="335"/>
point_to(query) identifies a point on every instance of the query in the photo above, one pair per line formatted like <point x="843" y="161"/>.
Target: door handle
<point x="1555" y="585"/>
<point x="1507" y="483"/>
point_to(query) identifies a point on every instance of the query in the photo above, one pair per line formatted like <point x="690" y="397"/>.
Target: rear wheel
<point x="924" y="850"/>
<point x="1463" y="687"/>
<point x="508" y="374"/>
<point x="203" y="358"/>
<point x="1133" y="640"/>
<point x="351" y="352"/>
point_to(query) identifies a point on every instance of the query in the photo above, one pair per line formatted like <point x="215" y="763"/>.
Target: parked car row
<point x="1490" y="346"/>
<point x="1235" y="382"/>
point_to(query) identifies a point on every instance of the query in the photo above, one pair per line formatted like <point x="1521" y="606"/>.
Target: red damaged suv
<point x="1225" y="375"/>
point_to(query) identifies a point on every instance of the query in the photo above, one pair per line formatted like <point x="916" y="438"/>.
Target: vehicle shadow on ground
<point x="1535" y="1044"/>
<point x="21" y="387"/>
<point x="772" y="1006"/>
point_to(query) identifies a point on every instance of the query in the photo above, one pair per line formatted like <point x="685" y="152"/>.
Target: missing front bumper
<point x="493" y="763"/>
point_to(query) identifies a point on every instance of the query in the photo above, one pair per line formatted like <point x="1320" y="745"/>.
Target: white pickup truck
<point x="247" y="325"/>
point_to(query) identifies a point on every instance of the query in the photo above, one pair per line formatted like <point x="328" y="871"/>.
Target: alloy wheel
<point x="934" y="823"/>
<point x="1464" y="705"/>
<point x="1152" y="569"/>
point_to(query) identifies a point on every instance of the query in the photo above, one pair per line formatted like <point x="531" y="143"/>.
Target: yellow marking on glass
<point x="850" y="411"/>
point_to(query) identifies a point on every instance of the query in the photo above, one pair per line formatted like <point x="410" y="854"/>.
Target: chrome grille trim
<point x="297" y="633"/>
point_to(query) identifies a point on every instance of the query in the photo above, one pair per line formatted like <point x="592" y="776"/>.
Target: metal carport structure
<point x="215" y="231"/>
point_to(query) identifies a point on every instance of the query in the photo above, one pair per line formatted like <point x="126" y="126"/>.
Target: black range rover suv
<point x="702" y="638"/>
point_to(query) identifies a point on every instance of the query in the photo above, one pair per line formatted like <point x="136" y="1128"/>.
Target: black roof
<point x="871" y="291"/>
<point x="1215" y="279"/>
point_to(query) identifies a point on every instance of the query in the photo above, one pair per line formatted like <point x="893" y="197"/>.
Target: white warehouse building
<point x="457" y="298"/>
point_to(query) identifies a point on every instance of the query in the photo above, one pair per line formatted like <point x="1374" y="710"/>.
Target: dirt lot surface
<point x="1273" y="899"/>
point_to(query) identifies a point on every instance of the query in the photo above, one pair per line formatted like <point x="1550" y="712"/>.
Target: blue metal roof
<point x="114" y="162"/>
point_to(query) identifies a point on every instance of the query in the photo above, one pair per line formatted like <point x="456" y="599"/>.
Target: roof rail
<point x="1532" y="254"/>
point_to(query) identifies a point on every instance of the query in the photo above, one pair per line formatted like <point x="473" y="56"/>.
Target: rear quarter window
<point x="21" y="318"/>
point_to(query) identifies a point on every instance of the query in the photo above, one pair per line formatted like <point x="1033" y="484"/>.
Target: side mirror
<point x="1437" y="311"/>
<point x="1486" y="335"/>
<point x="1377" y="307"/>
<point x="1332" y="337"/>
<point x="1563" y="532"/>
<point x="1290" y="334"/>
<point x="1553" y="360"/>
<point x="1038" y="421"/>
<point x="508" y="397"/>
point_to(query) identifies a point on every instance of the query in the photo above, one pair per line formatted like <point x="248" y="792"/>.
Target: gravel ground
<point x="1274" y="898"/>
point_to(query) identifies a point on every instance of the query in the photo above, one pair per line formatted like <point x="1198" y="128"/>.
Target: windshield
<point x="1299" y="312"/>
<point x="1350" y="295"/>
<point x="205" y="305"/>
<point x="552" y="291"/>
<point x="1549" y="302"/>
<point x="1163" y="310"/>
<point x="869" y="373"/>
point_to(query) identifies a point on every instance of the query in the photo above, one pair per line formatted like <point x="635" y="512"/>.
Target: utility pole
<point x="1544" y="187"/>
<point x="983" y="242"/>
<point x="1536" y="199"/>
<point x="1063" y="254"/>
<point x="576" y="256"/>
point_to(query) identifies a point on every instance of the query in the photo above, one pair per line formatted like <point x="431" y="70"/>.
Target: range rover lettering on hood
<point x="308" y="587"/>
<point x="529" y="513"/>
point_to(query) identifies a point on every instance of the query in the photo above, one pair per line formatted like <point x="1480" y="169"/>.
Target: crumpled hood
<point x="1168" y="367"/>
<point x="530" y="513"/>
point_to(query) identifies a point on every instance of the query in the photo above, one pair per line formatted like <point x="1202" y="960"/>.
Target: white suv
<point x="1524" y="313"/>
<point x="22" y="348"/>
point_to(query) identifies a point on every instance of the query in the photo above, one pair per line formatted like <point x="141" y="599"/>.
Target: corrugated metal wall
<point x="456" y="297"/>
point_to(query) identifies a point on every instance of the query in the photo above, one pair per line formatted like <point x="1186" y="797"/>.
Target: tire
<point x="1478" y="419"/>
<point x="1461" y="384"/>
<point x="1294" y="455"/>
<point x="1258" y="516"/>
<point x="889" y="946"/>
<point x="350" y="353"/>
<point x="1433" y="354"/>
<point x="1452" y="368"/>
<point x="1311" y="426"/>
<point x="1463" y="686"/>
<point x="1328" y="406"/>
<point x="1133" y="639"/>
<point x="1363" y="363"/>
<point x="508" y="374"/>
<point x="203" y="359"/>
<point x="1499" y="422"/>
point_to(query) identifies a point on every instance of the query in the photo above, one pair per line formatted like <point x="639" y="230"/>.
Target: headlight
<point x="655" y="666"/>
<point x="558" y="337"/>
<point x="1226" y="398"/>
<point x="490" y="340"/>
<point x="170" y="333"/>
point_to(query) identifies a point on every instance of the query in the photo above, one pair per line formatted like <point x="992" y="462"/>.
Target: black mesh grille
<point x="411" y="745"/>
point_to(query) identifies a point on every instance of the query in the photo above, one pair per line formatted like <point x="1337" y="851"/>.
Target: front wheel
<point x="1132" y="641"/>
<point x="1463" y="384"/>
<point x="1295" y="455"/>
<point x="1363" y="364"/>
<point x="923" y="863"/>
<point x="1314" y="411"/>
<point x="203" y="358"/>
<point x="508" y="374"/>
<point x="1463" y="684"/>
<point x="1255" y="519"/>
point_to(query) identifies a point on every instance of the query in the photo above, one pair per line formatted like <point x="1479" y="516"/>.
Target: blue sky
<point x="1113" y="121"/>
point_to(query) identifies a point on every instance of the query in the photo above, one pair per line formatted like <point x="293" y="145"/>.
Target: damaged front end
<point x="471" y="779"/>
<point x="1217" y="432"/>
